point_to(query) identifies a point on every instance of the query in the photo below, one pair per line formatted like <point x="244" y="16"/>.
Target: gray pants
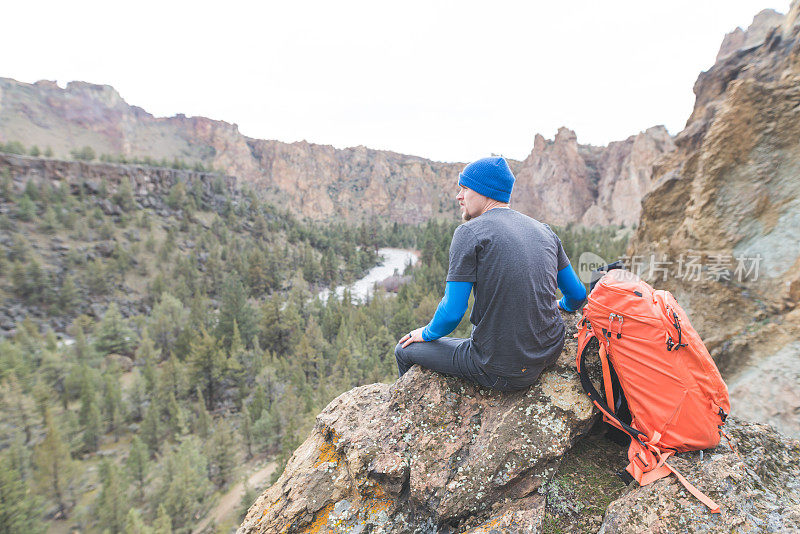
<point x="450" y="356"/>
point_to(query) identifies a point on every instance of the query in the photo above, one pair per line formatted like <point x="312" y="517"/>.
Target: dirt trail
<point x="229" y="503"/>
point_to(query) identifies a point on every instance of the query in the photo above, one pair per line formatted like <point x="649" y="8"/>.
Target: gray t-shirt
<point x="513" y="260"/>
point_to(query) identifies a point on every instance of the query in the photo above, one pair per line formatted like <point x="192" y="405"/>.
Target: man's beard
<point x="466" y="217"/>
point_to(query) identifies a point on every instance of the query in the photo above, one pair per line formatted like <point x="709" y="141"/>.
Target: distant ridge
<point x="560" y="182"/>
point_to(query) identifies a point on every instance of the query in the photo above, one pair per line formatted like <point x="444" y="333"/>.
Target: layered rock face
<point x="728" y="200"/>
<point x="144" y="180"/>
<point x="561" y="181"/>
<point x="429" y="454"/>
<point x="572" y="183"/>
<point x="317" y="181"/>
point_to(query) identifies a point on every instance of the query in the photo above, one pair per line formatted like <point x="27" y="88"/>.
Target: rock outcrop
<point x="719" y="227"/>
<point x="143" y="179"/>
<point x="559" y="182"/>
<point x="434" y="454"/>
<point x="429" y="454"/>
<point x="572" y="183"/>
<point x="756" y="484"/>
<point x="625" y="175"/>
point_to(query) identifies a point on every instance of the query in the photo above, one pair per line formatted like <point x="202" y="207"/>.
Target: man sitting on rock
<point x="514" y="264"/>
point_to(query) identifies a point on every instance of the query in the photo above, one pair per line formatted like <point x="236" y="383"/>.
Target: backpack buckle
<point x="625" y="477"/>
<point x="615" y="317"/>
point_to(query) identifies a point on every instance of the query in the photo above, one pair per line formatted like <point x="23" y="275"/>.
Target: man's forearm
<point x="572" y="288"/>
<point x="450" y="310"/>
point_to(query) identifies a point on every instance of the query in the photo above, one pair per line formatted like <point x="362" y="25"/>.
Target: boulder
<point x="757" y="487"/>
<point x="429" y="453"/>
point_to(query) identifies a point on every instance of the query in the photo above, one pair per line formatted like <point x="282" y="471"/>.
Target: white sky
<point x="451" y="81"/>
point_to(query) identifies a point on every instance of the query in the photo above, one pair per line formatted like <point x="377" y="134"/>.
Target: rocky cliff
<point x="143" y="179"/>
<point x="435" y="454"/>
<point x="720" y="226"/>
<point x="573" y="183"/>
<point x="560" y="182"/>
<point x="428" y="454"/>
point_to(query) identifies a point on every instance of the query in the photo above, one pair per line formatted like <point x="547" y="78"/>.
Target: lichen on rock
<point x="429" y="453"/>
<point x="756" y="484"/>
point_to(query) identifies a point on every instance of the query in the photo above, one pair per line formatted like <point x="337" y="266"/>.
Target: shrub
<point x="84" y="154"/>
<point x="13" y="147"/>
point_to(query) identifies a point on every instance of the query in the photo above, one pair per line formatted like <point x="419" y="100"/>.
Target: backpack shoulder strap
<point x="584" y="336"/>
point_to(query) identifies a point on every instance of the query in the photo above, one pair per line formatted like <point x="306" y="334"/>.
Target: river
<point x="393" y="259"/>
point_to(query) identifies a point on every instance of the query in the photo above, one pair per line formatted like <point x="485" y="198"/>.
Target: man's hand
<point x="414" y="336"/>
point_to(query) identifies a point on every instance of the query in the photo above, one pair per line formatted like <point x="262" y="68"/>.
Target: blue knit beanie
<point x="490" y="177"/>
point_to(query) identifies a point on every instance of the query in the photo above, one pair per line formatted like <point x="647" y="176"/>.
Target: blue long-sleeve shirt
<point x="456" y="297"/>
<point x="573" y="290"/>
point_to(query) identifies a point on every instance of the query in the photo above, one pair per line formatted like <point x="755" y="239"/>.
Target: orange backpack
<point x="675" y="394"/>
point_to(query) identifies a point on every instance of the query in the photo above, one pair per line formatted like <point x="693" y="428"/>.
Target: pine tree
<point x="209" y="364"/>
<point x="259" y="402"/>
<point x="167" y="322"/>
<point x="19" y="279"/>
<point x="248" y="498"/>
<point x="93" y="424"/>
<point x="112" y="402"/>
<point x="267" y="429"/>
<point x="81" y="348"/>
<point x="246" y="428"/>
<point x="310" y="352"/>
<point x="134" y="524"/>
<point x="110" y="506"/>
<point x="54" y="467"/>
<point x="137" y="397"/>
<point x="151" y="426"/>
<point x="96" y="277"/>
<point x="203" y="422"/>
<point x="235" y="307"/>
<point x="19" y="508"/>
<point x="138" y="464"/>
<point x="112" y="334"/>
<point x="124" y="195"/>
<point x="69" y="295"/>
<point x="18" y="404"/>
<point x="220" y="454"/>
<point x="26" y="209"/>
<point x="145" y="354"/>
<point x="176" y="417"/>
<point x="163" y="523"/>
<point x="183" y="483"/>
<point x="48" y="224"/>
<point x="269" y="324"/>
<point x="172" y="379"/>
<point x="258" y="273"/>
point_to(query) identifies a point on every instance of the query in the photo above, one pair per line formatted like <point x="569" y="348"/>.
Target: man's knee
<point x="399" y="352"/>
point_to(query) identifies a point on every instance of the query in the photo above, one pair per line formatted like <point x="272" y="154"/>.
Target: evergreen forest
<point x="159" y="349"/>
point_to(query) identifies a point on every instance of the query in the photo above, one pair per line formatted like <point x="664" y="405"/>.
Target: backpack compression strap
<point x="647" y="472"/>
